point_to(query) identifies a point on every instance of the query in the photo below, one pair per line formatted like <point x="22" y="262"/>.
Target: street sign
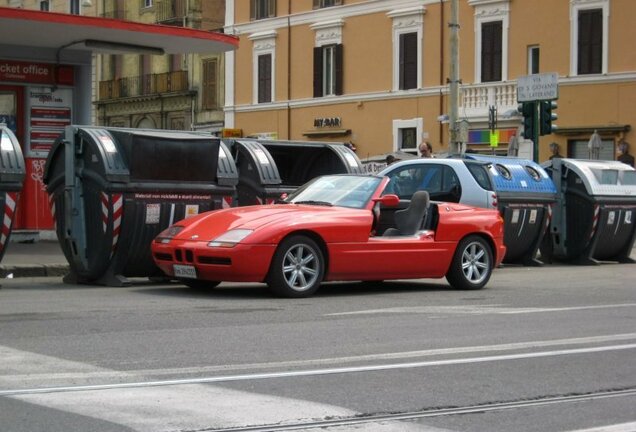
<point x="538" y="87"/>
<point x="494" y="139"/>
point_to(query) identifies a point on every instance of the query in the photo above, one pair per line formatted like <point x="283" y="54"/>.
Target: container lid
<point x="12" y="169"/>
<point x="517" y="175"/>
<point x="607" y="178"/>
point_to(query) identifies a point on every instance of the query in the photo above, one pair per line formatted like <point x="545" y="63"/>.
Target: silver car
<point x="450" y="180"/>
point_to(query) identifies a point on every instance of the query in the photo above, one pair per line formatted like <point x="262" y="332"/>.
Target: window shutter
<point x="337" y="2"/>
<point x="408" y="61"/>
<point x="209" y="84"/>
<point x="317" y="71"/>
<point x="491" y="51"/>
<point x="339" y="69"/>
<point x="590" y="43"/>
<point x="253" y="9"/>
<point x="271" y="8"/>
<point x="316" y="4"/>
<point x="265" y="78"/>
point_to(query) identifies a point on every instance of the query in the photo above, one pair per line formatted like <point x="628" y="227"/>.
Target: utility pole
<point x="454" y="146"/>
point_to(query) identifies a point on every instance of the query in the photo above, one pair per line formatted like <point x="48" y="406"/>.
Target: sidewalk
<point x="36" y="259"/>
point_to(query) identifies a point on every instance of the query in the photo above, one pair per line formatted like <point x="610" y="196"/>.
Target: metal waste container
<point x="525" y="196"/>
<point x="12" y="172"/>
<point x="594" y="218"/>
<point x="113" y="190"/>
<point x="269" y="168"/>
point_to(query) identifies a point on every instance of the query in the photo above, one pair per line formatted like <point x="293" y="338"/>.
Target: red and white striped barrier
<point x="597" y="212"/>
<point x="9" y="211"/>
<point x="117" y="210"/>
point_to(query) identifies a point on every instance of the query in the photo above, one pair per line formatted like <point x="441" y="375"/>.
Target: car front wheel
<point x="472" y="264"/>
<point x="297" y="268"/>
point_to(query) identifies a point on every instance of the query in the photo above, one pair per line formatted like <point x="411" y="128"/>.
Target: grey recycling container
<point x="525" y="197"/>
<point x="594" y="218"/>
<point x="269" y="168"/>
<point x="114" y="190"/>
<point x="12" y="172"/>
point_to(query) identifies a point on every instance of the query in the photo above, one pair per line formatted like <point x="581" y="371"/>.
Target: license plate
<point x="184" y="271"/>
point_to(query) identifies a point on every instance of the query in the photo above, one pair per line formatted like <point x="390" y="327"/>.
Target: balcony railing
<point x="144" y="85"/>
<point x="114" y="14"/>
<point x="476" y="98"/>
<point x="170" y="11"/>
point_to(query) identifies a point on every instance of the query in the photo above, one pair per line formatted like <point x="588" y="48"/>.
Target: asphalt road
<point x="540" y="349"/>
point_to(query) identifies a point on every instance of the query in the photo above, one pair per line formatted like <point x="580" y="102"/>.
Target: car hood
<point x="208" y="226"/>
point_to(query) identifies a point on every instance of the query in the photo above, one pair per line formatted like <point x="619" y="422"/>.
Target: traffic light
<point x="492" y="118"/>
<point x="547" y="117"/>
<point x="529" y="112"/>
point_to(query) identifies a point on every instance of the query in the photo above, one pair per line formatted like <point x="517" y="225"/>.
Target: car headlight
<point x="166" y="235"/>
<point x="230" y="239"/>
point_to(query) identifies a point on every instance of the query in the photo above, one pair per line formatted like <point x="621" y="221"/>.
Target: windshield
<point x="343" y="191"/>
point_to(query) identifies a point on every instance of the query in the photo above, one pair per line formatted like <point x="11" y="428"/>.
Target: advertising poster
<point x="48" y="113"/>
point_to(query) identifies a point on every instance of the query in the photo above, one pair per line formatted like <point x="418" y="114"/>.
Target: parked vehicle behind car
<point x="329" y="230"/>
<point x="519" y="188"/>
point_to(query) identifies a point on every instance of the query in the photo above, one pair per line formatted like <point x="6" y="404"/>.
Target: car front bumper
<point x="241" y="263"/>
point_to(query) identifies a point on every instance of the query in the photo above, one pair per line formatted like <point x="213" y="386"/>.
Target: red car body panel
<point x="352" y="253"/>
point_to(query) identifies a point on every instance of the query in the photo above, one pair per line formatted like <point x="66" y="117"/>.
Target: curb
<point x="33" y="270"/>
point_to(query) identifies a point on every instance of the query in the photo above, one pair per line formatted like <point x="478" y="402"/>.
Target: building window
<point x="263" y="66"/>
<point x="408" y="61"/>
<point x="318" y="4"/>
<point x="44" y="5"/>
<point x="74" y="7"/>
<point x="261" y="9"/>
<point x="492" y="24"/>
<point x="210" y="84"/>
<point x="408" y="139"/>
<point x="533" y="60"/>
<point x="328" y="70"/>
<point x="408" y="27"/>
<point x="491" y="51"/>
<point x="589" y="33"/>
<point x="147" y="3"/>
<point x="406" y="134"/>
<point x="264" y="78"/>
<point x="590" y="42"/>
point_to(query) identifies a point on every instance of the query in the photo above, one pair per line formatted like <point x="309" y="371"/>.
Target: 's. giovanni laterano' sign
<point x="538" y="87"/>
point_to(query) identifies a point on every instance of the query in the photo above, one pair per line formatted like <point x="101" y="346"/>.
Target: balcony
<point x="144" y="85"/>
<point x="476" y="98"/>
<point x="171" y="12"/>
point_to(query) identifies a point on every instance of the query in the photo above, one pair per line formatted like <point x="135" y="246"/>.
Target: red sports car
<point x="334" y="228"/>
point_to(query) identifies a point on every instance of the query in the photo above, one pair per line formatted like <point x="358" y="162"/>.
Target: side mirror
<point x="389" y="200"/>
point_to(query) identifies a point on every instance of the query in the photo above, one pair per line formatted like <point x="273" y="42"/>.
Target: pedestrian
<point x="426" y="150"/>
<point x="554" y="149"/>
<point x="625" y="157"/>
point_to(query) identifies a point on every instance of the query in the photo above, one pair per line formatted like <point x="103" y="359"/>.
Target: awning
<point x="586" y="130"/>
<point x="32" y="28"/>
<point x="327" y="132"/>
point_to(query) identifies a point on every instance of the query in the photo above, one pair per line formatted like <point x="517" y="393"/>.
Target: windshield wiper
<point x="312" y="202"/>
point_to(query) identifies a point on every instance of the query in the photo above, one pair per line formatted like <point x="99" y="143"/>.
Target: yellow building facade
<point x="374" y="72"/>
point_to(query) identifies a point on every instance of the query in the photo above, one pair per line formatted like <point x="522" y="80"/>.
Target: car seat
<point x="410" y="220"/>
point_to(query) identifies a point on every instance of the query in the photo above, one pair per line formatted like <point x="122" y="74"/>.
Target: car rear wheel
<point x="199" y="284"/>
<point x="297" y="268"/>
<point x="472" y="264"/>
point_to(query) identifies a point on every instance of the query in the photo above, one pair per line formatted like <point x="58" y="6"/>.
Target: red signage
<point x="35" y="73"/>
